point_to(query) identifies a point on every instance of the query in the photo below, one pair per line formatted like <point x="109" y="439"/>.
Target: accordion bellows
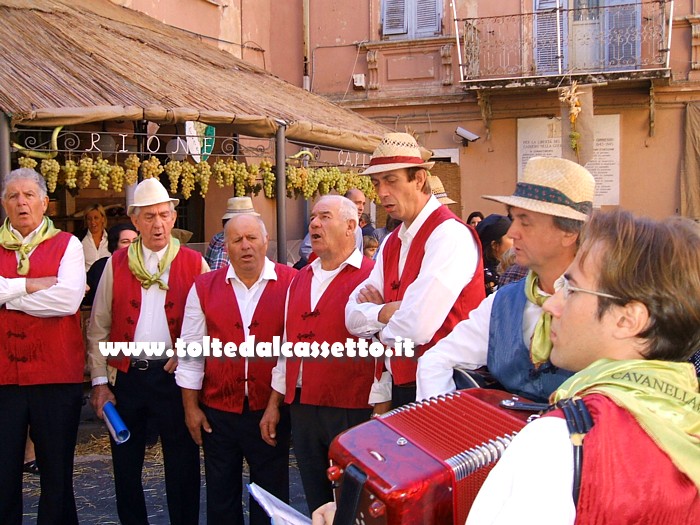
<point x="425" y="462"/>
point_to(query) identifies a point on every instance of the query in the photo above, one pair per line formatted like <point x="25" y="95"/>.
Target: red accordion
<point x="422" y="463"/>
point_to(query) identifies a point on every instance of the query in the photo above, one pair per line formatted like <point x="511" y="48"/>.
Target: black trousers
<point x="52" y="413"/>
<point x="153" y="394"/>
<point x="313" y="429"/>
<point x="233" y="437"/>
<point x="402" y="395"/>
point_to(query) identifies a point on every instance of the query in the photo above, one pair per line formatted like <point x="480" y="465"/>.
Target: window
<point x="411" y="18"/>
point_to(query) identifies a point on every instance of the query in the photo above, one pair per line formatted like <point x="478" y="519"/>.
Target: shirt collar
<point x="354" y="260"/>
<point x="147" y="253"/>
<point x="30" y="235"/>
<point x="268" y="273"/>
<point x="410" y="232"/>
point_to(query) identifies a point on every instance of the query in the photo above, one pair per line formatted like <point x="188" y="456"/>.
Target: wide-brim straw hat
<point x="439" y="190"/>
<point x="239" y="205"/>
<point x="396" y="151"/>
<point x="149" y="192"/>
<point x="553" y="186"/>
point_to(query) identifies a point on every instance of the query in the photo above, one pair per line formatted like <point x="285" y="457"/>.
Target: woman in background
<point x="95" y="240"/>
<point x="494" y="243"/>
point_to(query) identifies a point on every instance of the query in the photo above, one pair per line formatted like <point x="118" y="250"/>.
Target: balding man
<point x="327" y="395"/>
<point x="225" y="397"/>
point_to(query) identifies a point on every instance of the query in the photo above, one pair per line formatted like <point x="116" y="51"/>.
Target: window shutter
<point x="623" y="30"/>
<point x="546" y="36"/>
<point x="428" y="17"/>
<point x="394" y="17"/>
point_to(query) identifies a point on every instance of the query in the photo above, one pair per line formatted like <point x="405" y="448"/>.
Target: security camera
<point x="467" y="135"/>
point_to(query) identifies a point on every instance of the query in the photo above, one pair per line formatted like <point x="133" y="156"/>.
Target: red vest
<point x="334" y="382"/>
<point x="626" y="477"/>
<point x="224" y="378"/>
<point x="39" y="350"/>
<point x="404" y="368"/>
<point x="126" y="297"/>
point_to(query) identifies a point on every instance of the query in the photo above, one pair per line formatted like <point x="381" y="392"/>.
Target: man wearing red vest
<point x="152" y="277"/>
<point x="327" y="394"/>
<point x="226" y="396"/>
<point x="626" y="318"/>
<point x="428" y="275"/>
<point x="42" y="281"/>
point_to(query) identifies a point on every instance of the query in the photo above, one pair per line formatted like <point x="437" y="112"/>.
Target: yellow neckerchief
<point x="661" y="395"/>
<point x="138" y="268"/>
<point x="541" y="345"/>
<point x="10" y="241"/>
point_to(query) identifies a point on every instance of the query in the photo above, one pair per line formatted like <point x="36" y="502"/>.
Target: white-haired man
<point x="42" y="281"/>
<point x="153" y="277"/>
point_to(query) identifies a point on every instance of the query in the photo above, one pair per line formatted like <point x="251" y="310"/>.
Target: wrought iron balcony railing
<point x="632" y="38"/>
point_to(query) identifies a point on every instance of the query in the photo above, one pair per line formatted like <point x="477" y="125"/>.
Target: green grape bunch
<point x="102" y="169"/>
<point x="70" y="173"/>
<point x="131" y="174"/>
<point x="203" y="176"/>
<point x="188" y="179"/>
<point x="116" y="175"/>
<point x="50" y="169"/>
<point x="26" y="162"/>
<point x="85" y="167"/>
<point x="151" y="168"/>
<point x="173" y="170"/>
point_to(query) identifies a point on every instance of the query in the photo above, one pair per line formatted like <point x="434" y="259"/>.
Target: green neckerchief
<point x="661" y="395"/>
<point x="10" y="241"/>
<point x="138" y="268"/>
<point x="541" y="344"/>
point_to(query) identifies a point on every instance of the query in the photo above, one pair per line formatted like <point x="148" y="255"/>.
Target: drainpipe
<point x="281" y="192"/>
<point x="307" y="83"/>
<point x="4" y="154"/>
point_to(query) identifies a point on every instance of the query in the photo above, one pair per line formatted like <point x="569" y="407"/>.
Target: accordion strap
<point x="579" y="422"/>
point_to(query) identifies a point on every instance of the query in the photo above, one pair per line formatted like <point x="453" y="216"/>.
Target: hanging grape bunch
<point x="173" y="170"/>
<point x="268" y="179"/>
<point x="49" y="169"/>
<point x="116" y="176"/>
<point x="252" y="174"/>
<point x="188" y="179"/>
<point x="70" y="173"/>
<point x="26" y="162"/>
<point x="217" y="171"/>
<point x="131" y="174"/>
<point x="85" y="166"/>
<point x="151" y="168"/>
<point x="203" y="176"/>
<point x="102" y="169"/>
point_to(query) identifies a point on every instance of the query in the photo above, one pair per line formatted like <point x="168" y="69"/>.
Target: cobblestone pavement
<point x="94" y="483"/>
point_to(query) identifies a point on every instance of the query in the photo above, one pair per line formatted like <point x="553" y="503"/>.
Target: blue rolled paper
<point x="115" y="423"/>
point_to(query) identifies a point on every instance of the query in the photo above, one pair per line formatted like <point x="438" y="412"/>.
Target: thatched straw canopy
<point x="68" y="62"/>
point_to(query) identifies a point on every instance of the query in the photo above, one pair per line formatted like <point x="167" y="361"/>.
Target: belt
<point x="145" y="364"/>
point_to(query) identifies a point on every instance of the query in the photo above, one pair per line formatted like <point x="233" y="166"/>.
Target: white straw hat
<point x="553" y="186"/>
<point x="149" y="192"/>
<point x="238" y="205"/>
<point x="396" y="151"/>
<point x="439" y="190"/>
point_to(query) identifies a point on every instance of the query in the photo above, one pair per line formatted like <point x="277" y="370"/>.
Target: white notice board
<point x="542" y="137"/>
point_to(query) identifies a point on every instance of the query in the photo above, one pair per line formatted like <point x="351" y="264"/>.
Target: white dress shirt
<point x="92" y="252"/>
<point x="450" y="261"/>
<point x="152" y="325"/>
<point x="532" y="482"/>
<point x="465" y="347"/>
<point x="190" y="371"/>
<point x="61" y="299"/>
<point x="320" y="282"/>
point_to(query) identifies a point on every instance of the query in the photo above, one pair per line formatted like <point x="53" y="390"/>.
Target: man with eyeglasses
<point x="509" y="332"/>
<point x="626" y="319"/>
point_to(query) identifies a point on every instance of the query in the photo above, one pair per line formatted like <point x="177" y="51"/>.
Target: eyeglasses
<point x="567" y="289"/>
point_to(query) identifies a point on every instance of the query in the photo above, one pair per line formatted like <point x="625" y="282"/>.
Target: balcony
<point x="602" y="44"/>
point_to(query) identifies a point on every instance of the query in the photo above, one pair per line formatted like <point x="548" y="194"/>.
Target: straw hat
<point x="396" y="151"/>
<point x="236" y="205"/>
<point x="553" y="186"/>
<point x="149" y="192"/>
<point x="439" y="190"/>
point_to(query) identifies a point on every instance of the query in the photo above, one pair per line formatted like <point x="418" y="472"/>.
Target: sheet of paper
<point x="280" y="512"/>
